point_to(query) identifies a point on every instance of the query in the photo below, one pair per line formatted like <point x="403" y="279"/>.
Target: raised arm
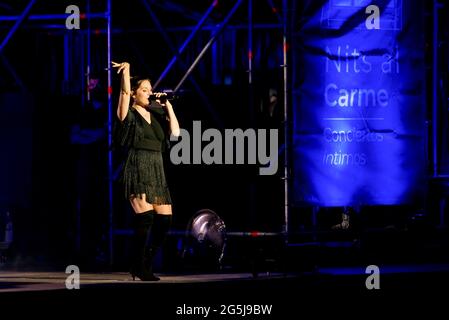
<point x="125" y="90"/>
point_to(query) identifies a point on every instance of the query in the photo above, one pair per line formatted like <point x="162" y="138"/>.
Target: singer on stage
<point x="141" y="130"/>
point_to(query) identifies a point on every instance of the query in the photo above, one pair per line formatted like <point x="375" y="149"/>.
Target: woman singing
<point x="140" y="130"/>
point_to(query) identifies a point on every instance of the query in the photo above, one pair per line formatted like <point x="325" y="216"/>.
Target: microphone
<point x="166" y="95"/>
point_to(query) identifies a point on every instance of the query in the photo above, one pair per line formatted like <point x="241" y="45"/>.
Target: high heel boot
<point x="140" y="267"/>
<point x="161" y="226"/>
<point x="148" y="264"/>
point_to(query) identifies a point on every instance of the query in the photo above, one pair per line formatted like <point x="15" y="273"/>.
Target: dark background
<point x="53" y="140"/>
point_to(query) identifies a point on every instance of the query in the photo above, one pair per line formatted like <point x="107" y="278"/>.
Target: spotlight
<point x="206" y="236"/>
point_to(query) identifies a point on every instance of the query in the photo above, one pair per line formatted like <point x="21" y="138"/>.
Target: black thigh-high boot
<point x="142" y="229"/>
<point x="161" y="226"/>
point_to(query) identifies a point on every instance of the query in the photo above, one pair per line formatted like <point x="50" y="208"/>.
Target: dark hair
<point x="136" y="82"/>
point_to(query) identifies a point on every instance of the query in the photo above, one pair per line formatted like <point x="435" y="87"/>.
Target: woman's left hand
<point x="163" y="102"/>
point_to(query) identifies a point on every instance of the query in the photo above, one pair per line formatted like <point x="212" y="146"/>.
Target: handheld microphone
<point x="163" y="98"/>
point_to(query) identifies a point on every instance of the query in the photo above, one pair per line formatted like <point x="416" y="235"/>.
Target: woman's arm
<point x="174" y="125"/>
<point x="125" y="90"/>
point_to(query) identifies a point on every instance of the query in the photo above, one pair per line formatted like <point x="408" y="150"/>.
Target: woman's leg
<point x="143" y="222"/>
<point x="164" y="209"/>
<point x="140" y="204"/>
<point x="161" y="226"/>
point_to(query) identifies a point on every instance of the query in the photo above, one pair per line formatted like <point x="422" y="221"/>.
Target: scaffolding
<point x="106" y="18"/>
<point x="282" y="25"/>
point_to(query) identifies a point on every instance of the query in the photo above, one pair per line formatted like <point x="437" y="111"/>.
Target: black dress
<point x="143" y="169"/>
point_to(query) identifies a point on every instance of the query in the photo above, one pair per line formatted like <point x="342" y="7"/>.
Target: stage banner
<point x="359" y="103"/>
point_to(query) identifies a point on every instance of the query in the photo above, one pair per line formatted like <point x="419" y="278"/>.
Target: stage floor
<point x="11" y="281"/>
<point x="392" y="278"/>
<point x="321" y="291"/>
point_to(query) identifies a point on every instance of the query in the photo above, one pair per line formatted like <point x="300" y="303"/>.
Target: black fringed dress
<point x="143" y="169"/>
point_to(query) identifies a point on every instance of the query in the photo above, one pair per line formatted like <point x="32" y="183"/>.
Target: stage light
<point x="206" y="236"/>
